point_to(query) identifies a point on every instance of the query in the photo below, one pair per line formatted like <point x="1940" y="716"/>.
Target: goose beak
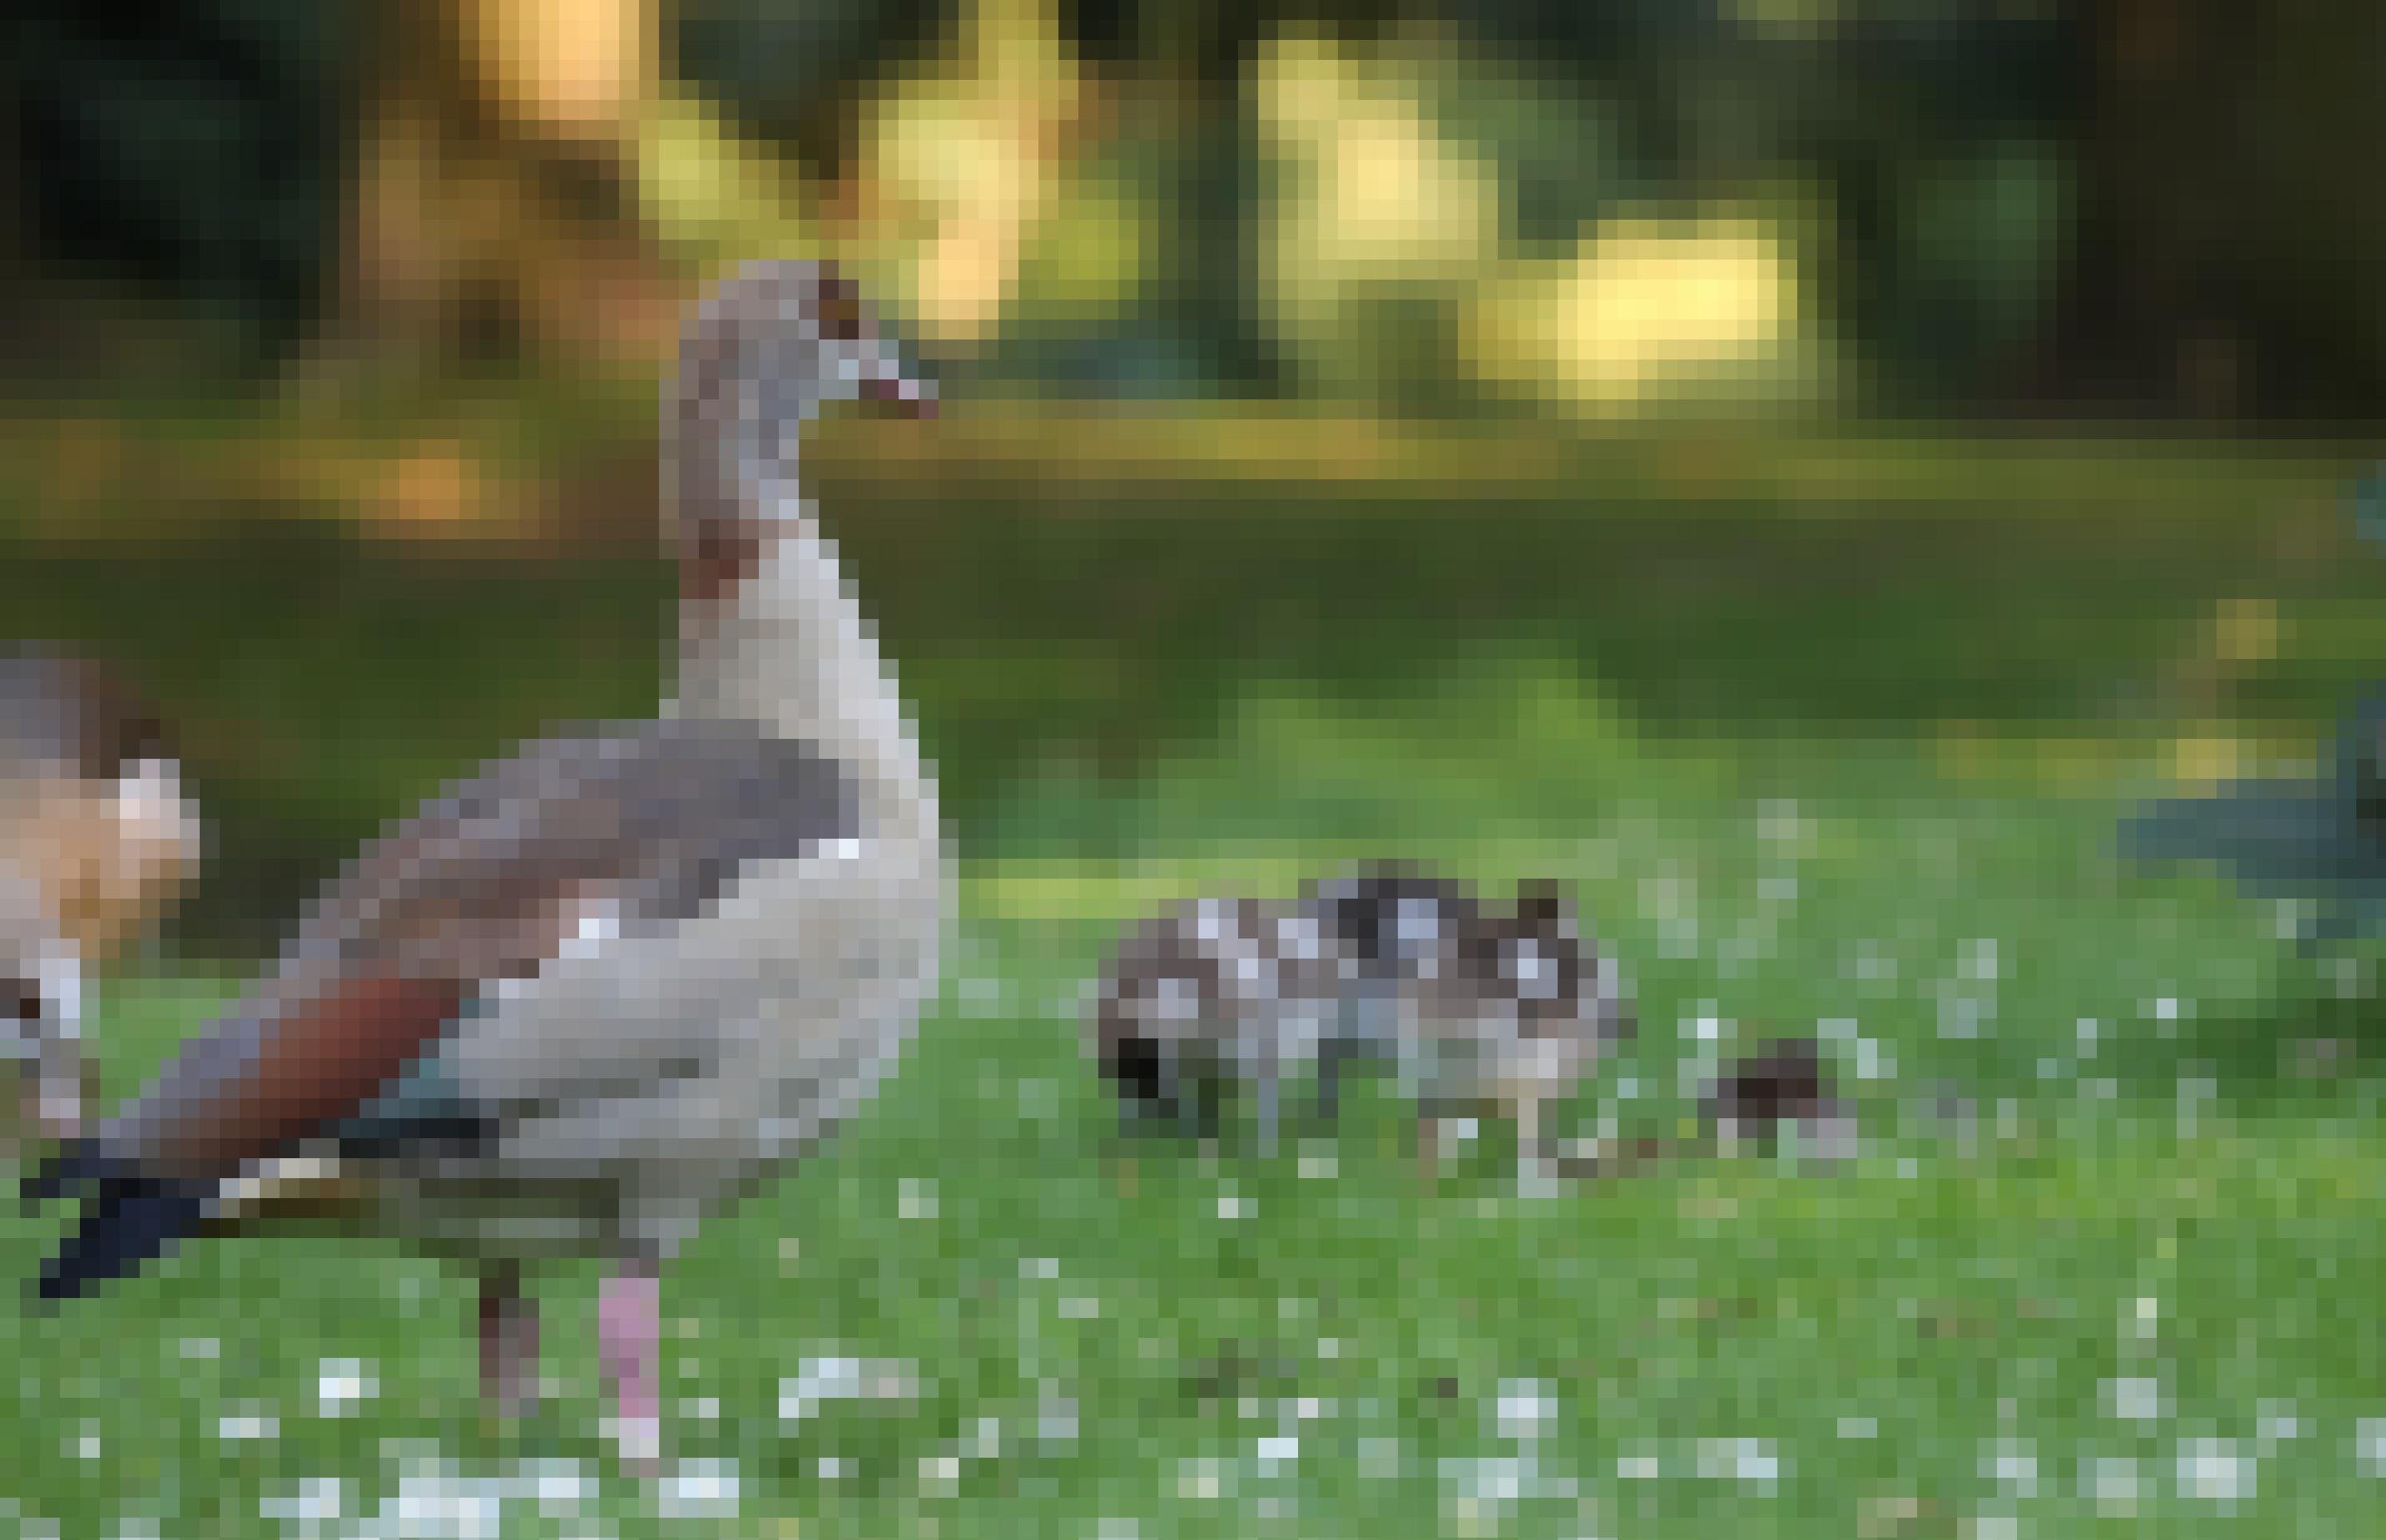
<point x="900" y="394"/>
<point x="889" y="381"/>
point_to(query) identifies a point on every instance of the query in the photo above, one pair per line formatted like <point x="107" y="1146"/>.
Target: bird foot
<point x="639" y="1442"/>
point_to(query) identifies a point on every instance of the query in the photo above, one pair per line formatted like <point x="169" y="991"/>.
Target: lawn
<point x="2107" y="1263"/>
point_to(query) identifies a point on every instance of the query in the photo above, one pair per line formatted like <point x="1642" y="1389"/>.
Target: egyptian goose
<point x="1248" y="991"/>
<point x="1785" y="1084"/>
<point x="1211" y="992"/>
<point x="1508" y="1005"/>
<point x="96" y="836"/>
<point x="1473" y="1001"/>
<point x="596" y="988"/>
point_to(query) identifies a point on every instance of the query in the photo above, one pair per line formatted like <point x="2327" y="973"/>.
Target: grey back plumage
<point x="484" y="883"/>
<point x="658" y="815"/>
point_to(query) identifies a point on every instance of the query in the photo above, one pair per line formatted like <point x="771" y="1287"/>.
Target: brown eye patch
<point x="838" y="306"/>
<point x="25" y="998"/>
<point x="724" y="557"/>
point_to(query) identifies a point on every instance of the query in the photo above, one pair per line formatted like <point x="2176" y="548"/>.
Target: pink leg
<point x="509" y="1342"/>
<point x="629" y="1327"/>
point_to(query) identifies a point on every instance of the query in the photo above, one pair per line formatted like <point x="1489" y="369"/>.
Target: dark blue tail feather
<point x="68" y="1170"/>
<point x="129" y="1222"/>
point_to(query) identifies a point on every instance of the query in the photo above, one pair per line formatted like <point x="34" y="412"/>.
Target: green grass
<point x="1828" y="738"/>
<point x="1935" y="1341"/>
<point x="1721" y="586"/>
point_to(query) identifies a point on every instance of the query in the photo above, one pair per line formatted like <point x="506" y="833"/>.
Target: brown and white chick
<point x="1506" y="1007"/>
<point x="1216" y="992"/>
<point x="1503" y="1005"/>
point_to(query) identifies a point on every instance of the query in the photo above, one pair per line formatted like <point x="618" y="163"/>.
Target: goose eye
<point x="837" y="307"/>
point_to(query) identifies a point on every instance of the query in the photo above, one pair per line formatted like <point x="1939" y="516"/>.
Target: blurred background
<point x="1795" y="472"/>
<point x="1481" y="393"/>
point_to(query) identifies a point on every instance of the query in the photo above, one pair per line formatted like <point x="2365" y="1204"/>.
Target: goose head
<point x="1535" y="956"/>
<point x="91" y="808"/>
<point x="772" y="347"/>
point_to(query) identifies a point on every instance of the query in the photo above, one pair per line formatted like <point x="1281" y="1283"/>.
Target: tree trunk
<point x="494" y="210"/>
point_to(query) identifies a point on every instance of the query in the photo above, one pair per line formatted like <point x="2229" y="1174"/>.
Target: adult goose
<point x="96" y="836"/>
<point x="585" y="997"/>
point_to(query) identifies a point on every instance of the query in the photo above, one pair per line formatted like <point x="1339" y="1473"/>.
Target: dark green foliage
<point x="196" y="150"/>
